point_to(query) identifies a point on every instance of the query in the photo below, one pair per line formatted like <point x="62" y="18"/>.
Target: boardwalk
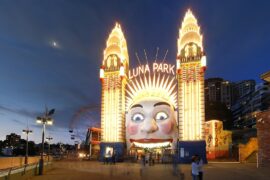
<point x="69" y="170"/>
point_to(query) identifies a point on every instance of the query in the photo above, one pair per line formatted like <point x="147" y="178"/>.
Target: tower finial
<point x="189" y="32"/>
<point x="116" y="45"/>
<point x="117" y="25"/>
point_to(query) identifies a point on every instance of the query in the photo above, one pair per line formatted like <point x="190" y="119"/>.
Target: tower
<point x="191" y="64"/>
<point x="113" y="76"/>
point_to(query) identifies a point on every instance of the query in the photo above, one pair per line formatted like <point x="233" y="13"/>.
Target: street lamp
<point x="46" y="119"/>
<point x="26" y="131"/>
<point x="49" y="139"/>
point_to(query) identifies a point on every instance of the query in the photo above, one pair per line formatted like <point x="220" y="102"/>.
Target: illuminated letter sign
<point x="156" y="68"/>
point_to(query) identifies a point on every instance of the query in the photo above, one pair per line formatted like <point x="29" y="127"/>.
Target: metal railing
<point x="7" y="173"/>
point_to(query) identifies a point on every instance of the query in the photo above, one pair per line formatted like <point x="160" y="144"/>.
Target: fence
<point x="16" y="170"/>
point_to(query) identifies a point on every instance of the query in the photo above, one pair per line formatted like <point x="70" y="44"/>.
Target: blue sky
<point x="35" y="73"/>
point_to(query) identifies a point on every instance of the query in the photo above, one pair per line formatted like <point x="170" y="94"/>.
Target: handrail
<point x="8" y="171"/>
<point x="17" y="167"/>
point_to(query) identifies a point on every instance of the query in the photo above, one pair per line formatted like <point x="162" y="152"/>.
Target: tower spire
<point x="191" y="64"/>
<point x="116" y="44"/>
<point x="189" y="32"/>
<point x="113" y="76"/>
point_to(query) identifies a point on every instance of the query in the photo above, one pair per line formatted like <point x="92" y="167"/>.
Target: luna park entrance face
<point x="156" y="155"/>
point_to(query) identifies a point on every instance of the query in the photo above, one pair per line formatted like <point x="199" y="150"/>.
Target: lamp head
<point x="49" y="121"/>
<point x="39" y="120"/>
<point x="27" y="131"/>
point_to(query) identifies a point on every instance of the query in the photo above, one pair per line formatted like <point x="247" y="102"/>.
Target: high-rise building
<point x="242" y="109"/>
<point x="213" y="89"/>
<point x="113" y="76"/>
<point x="228" y="93"/>
<point x="245" y="109"/>
<point x="244" y="87"/>
<point x="220" y="90"/>
<point x="261" y="97"/>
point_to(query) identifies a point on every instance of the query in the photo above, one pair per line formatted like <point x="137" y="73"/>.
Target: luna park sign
<point x="152" y="69"/>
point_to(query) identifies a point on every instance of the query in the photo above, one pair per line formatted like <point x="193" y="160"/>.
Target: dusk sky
<point x="51" y="51"/>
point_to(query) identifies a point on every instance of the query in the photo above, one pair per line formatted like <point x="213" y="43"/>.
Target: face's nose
<point x="149" y="126"/>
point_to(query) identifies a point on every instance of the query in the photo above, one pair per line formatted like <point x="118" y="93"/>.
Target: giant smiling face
<point x="151" y="120"/>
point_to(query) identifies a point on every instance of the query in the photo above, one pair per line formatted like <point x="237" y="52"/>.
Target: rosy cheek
<point x="132" y="129"/>
<point x="166" y="127"/>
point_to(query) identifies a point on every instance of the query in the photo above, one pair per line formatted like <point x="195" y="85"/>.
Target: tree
<point x="1" y="146"/>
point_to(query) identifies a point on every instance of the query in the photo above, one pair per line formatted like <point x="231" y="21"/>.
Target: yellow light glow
<point x="113" y="88"/>
<point x="190" y="80"/>
<point x="162" y="87"/>
<point x="116" y="44"/>
<point x="203" y="61"/>
<point x="152" y="145"/>
<point x="213" y="133"/>
<point x="49" y="122"/>
<point x="122" y="71"/>
<point x="39" y="121"/>
<point x="189" y="32"/>
<point x="178" y="64"/>
<point x="82" y="155"/>
<point x="101" y="73"/>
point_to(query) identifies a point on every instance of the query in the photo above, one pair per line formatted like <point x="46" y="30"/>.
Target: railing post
<point x="257" y="157"/>
<point x="9" y="172"/>
<point x="239" y="159"/>
<point x="37" y="169"/>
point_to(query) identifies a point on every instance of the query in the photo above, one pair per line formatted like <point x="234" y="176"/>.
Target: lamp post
<point x="46" y="119"/>
<point x="26" y="131"/>
<point x="49" y="140"/>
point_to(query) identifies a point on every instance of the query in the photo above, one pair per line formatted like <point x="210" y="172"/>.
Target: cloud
<point x="86" y="116"/>
<point x="22" y="112"/>
<point x="18" y="122"/>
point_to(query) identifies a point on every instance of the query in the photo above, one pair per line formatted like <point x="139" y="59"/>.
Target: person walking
<point x="147" y="157"/>
<point x="108" y="156"/>
<point x="195" y="168"/>
<point x="143" y="159"/>
<point x="150" y="161"/>
<point x="158" y="157"/>
<point x="175" y="164"/>
<point x="113" y="157"/>
<point x="136" y="157"/>
<point x="200" y="166"/>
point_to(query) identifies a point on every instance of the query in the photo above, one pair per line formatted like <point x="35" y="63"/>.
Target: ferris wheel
<point x="83" y="118"/>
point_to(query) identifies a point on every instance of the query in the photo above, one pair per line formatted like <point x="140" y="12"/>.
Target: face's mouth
<point x="151" y="143"/>
<point x="150" y="140"/>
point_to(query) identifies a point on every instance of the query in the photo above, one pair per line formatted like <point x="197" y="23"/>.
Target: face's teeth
<point x="152" y="145"/>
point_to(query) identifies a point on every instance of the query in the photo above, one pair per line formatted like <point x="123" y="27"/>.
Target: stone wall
<point x="245" y="150"/>
<point x="263" y="134"/>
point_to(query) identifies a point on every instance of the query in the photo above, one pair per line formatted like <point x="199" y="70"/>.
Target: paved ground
<point x="69" y="170"/>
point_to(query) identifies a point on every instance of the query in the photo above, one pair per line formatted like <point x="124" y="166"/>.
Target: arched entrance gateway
<point x="151" y="111"/>
<point x="157" y="107"/>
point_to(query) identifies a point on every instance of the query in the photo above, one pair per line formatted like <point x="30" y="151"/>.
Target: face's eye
<point x="138" y="117"/>
<point x="161" y="116"/>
